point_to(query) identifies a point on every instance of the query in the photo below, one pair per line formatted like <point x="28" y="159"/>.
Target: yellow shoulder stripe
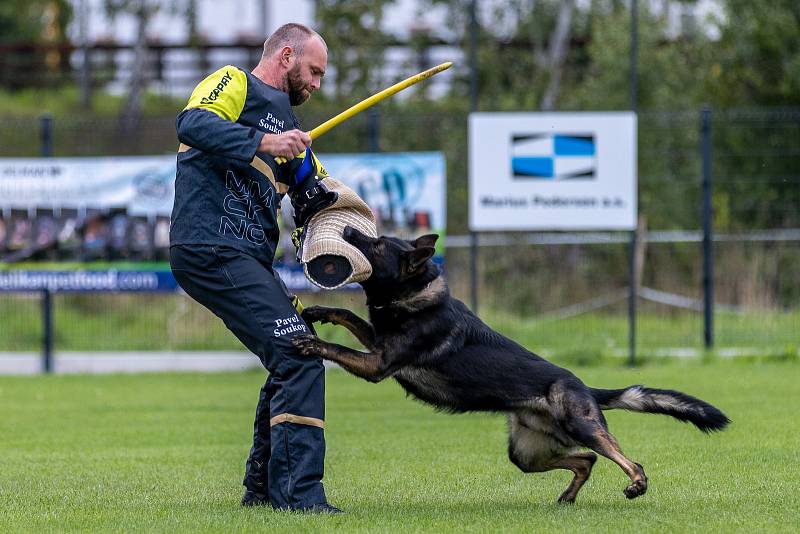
<point x="261" y="165"/>
<point x="222" y="92"/>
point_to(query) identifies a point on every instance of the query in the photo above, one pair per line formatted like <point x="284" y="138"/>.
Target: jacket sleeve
<point x="208" y="122"/>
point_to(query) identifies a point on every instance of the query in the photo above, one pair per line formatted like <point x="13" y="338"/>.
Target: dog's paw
<point x="638" y="487"/>
<point x="315" y="314"/>
<point x="566" y="498"/>
<point x="308" y="345"/>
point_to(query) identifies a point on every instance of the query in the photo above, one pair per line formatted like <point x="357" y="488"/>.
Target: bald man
<point x="223" y="237"/>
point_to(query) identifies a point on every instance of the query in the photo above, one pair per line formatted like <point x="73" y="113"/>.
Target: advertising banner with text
<point x="552" y="171"/>
<point x="102" y="224"/>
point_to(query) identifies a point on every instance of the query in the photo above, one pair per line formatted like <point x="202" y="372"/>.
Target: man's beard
<point x="296" y="86"/>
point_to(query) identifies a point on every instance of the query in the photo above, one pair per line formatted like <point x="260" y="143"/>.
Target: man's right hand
<point x="287" y="145"/>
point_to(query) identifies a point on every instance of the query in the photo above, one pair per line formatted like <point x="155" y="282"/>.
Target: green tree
<point x="524" y="47"/>
<point x="34" y="21"/>
<point x="29" y="22"/>
<point x="143" y="12"/>
<point x="356" y="43"/>
<point x="758" y="55"/>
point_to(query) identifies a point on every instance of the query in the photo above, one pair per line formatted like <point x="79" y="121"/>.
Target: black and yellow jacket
<point x="227" y="193"/>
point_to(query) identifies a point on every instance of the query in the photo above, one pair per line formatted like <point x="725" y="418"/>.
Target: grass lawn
<point x="150" y="322"/>
<point x="165" y="452"/>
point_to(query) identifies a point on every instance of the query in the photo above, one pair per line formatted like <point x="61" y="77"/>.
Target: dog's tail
<point x="665" y="401"/>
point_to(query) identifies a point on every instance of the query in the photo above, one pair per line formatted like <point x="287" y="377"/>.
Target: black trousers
<point x="286" y="461"/>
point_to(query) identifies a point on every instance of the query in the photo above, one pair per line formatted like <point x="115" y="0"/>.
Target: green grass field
<point x="167" y="322"/>
<point x="165" y="452"/>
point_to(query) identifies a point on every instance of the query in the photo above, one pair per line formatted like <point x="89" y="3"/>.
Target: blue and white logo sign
<point x="552" y="171"/>
<point x="546" y="156"/>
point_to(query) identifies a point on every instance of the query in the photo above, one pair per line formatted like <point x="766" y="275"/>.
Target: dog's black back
<point x="452" y="359"/>
<point x="449" y="342"/>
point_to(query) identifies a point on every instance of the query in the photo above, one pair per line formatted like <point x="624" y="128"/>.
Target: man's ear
<point x="427" y="240"/>
<point x="416" y="258"/>
<point x="286" y="55"/>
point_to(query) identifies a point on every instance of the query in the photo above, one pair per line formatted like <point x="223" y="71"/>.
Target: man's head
<point x="294" y="61"/>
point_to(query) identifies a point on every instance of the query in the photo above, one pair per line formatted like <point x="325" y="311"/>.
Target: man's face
<point x="305" y="75"/>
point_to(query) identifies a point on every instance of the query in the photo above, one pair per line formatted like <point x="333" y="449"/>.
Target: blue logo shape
<point x="549" y="156"/>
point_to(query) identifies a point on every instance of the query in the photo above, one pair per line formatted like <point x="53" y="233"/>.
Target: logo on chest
<point x="242" y="205"/>
<point x="214" y="94"/>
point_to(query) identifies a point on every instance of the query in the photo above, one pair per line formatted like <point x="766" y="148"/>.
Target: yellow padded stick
<point x="371" y="101"/>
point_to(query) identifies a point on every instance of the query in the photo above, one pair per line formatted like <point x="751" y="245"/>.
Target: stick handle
<point x="371" y="101"/>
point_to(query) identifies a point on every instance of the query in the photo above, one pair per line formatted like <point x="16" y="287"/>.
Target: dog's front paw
<point x="308" y="345"/>
<point x="315" y="314"/>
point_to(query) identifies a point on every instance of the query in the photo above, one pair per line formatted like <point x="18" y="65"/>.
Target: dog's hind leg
<point x="534" y="451"/>
<point x="581" y="465"/>
<point x="585" y="425"/>
<point x="604" y="443"/>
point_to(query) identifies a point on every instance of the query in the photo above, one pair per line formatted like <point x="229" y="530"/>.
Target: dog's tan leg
<point x="603" y="442"/>
<point x="367" y="365"/>
<point x="535" y="451"/>
<point x="582" y="419"/>
<point x="581" y="465"/>
<point x="360" y="328"/>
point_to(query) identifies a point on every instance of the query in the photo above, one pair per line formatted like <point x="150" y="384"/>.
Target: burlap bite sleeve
<point x="328" y="260"/>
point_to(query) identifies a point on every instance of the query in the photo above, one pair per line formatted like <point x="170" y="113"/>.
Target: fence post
<point x="633" y="290"/>
<point x="632" y="296"/>
<point x="46" y="123"/>
<point x="85" y="83"/>
<point x="374" y="130"/>
<point x="708" y="252"/>
<point x="634" y="57"/>
<point x="47" y="331"/>
<point x="86" y="79"/>
<point x="473" y="98"/>
<point x="46" y="133"/>
<point x="473" y="268"/>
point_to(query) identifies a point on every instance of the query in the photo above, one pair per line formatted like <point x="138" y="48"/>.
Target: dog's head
<point x="398" y="266"/>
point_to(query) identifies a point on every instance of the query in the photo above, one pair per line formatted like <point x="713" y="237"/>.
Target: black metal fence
<point x="563" y="295"/>
<point x="174" y="69"/>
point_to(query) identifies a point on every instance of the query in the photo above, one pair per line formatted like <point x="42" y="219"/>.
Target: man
<point x="222" y="241"/>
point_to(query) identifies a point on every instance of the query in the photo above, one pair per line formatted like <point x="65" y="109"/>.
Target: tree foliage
<point x="27" y="21"/>
<point x="745" y="55"/>
<point x="757" y="59"/>
<point x="24" y="22"/>
<point x="356" y="44"/>
<point x="142" y="12"/>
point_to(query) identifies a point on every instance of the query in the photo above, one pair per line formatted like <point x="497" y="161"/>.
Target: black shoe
<point x="322" y="508"/>
<point x="251" y="498"/>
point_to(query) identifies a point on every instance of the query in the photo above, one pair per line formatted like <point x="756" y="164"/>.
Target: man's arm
<point x="206" y="131"/>
<point x="208" y="122"/>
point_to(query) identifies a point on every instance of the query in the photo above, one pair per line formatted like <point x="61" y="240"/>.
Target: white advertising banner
<point x="405" y="190"/>
<point x="142" y="184"/>
<point x="102" y="224"/>
<point x="552" y="171"/>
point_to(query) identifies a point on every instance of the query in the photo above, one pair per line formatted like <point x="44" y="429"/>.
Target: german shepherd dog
<point x="444" y="355"/>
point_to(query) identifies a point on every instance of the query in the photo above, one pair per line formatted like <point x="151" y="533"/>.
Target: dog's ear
<point x="428" y="240"/>
<point x="416" y="258"/>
